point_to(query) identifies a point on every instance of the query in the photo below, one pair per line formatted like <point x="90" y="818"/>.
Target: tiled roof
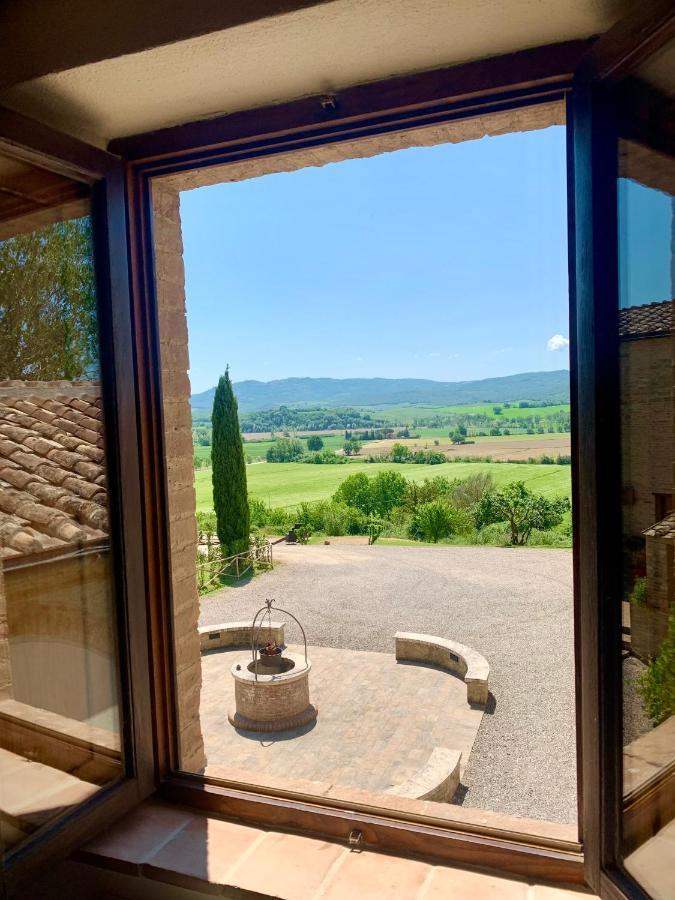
<point x="52" y="478"/>
<point x="665" y="529"/>
<point x="648" y="320"/>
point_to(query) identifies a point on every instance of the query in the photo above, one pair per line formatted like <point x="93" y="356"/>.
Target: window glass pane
<point x="646" y="207"/>
<point x="59" y="694"/>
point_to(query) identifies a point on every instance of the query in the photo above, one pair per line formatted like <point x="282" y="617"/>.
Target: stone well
<point x="272" y="698"/>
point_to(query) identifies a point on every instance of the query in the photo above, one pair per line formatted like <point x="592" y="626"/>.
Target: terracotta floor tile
<point x="139" y="835"/>
<point x="460" y="884"/>
<point x="287" y="866"/>
<point x="544" y="892"/>
<point x="374" y="876"/>
<point x="203" y="852"/>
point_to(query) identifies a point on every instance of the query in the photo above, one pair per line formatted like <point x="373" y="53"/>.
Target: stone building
<point x="648" y="432"/>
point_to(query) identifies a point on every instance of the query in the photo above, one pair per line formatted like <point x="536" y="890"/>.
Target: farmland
<point x="288" y="484"/>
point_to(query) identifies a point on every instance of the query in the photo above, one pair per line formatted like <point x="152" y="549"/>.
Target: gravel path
<point x="513" y="605"/>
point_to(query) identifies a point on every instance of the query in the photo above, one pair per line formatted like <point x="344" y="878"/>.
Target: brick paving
<point x="378" y="720"/>
<point x="513" y="605"/>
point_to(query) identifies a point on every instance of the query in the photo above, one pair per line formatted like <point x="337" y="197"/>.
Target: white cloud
<point x="453" y="355"/>
<point x="557" y="342"/>
<point x="434" y="354"/>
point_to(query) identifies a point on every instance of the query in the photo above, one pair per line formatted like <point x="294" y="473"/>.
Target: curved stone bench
<point x="438" y="780"/>
<point x="463" y="661"/>
<point x="237" y="634"/>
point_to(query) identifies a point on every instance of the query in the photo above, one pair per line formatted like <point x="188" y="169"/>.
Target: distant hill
<point x="338" y="392"/>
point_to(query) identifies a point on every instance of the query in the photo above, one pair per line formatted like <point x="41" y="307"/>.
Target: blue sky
<point x="447" y="262"/>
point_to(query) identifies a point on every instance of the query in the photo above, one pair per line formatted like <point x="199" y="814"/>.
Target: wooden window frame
<point x="32" y="142"/>
<point x="503" y="83"/>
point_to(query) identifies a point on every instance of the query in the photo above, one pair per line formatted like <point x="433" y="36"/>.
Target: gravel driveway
<point x="512" y="605"/>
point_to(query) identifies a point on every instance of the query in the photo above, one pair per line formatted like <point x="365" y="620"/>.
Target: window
<point x="60" y="714"/>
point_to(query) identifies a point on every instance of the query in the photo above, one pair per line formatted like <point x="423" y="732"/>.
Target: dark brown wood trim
<point x="631" y="41"/>
<point x="648" y="809"/>
<point x="43" y="146"/>
<point x="153" y="464"/>
<point x="442" y="91"/>
<point x="119" y="396"/>
<point x="123" y="27"/>
<point x="382" y="832"/>
<point x="597" y="468"/>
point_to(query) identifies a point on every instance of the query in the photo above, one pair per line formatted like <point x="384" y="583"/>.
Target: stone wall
<point x="648" y="433"/>
<point x="174" y="361"/>
<point x="61" y="637"/>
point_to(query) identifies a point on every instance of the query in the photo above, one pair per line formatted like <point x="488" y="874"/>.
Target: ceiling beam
<point x="42" y="36"/>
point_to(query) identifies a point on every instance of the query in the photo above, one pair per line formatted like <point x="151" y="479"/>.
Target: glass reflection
<point x="646" y="209"/>
<point x="59" y="703"/>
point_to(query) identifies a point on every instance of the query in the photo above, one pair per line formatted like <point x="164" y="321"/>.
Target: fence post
<point x="236" y="564"/>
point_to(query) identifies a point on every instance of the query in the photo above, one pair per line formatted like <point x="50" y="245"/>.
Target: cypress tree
<point x="228" y="472"/>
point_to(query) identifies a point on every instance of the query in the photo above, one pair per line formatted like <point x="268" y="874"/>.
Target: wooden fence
<point x="212" y="567"/>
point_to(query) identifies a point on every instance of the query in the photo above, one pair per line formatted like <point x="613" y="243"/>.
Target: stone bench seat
<point x="438" y="780"/>
<point x="237" y="634"/>
<point x="457" y="658"/>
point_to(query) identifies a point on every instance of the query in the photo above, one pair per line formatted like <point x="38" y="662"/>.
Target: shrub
<point x="466" y="493"/>
<point x="638" y="596"/>
<point x="280" y="518"/>
<point x="325" y="457"/>
<point x="303" y="534"/>
<point x="355" y="491"/>
<point x="400" y="453"/>
<point x="314" y="443"/>
<point x="387" y="490"/>
<point x="438" y="519"/>
<point x="521" y="509"/>
<point x="351" y="447"/>
<point x="206" y="526"/>
<point x="258" y="512"/>
<point x="332" y="518"/>
<point x="285" y="450"/>
<point x="657" y="684"/>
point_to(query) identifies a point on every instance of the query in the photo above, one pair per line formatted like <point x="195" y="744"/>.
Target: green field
<point x="404" y="413"/>
<point x="288" y="484"/>
<point x="254" y="451"/>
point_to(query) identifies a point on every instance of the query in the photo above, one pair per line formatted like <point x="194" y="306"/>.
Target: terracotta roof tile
<point x="647" y="320"/>
<point x="52" y="479"/>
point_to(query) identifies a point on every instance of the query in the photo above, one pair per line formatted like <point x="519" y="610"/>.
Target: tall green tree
<point x="230" y="494"/>
<point x="48" y="327"/>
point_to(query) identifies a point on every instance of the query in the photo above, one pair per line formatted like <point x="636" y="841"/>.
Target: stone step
<point x="31" y="794"/>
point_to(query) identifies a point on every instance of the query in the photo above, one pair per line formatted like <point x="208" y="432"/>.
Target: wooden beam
<point x="550" y="67"/>
<point x="43" y="37"/>
<point x="26" y="139"/>
<point x="631" y="41"/>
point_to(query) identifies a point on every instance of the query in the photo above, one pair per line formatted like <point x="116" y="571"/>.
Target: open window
<point x="73" y="749"/>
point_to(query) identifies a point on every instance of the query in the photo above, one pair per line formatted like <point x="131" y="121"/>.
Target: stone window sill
<point x="159" y="844"/>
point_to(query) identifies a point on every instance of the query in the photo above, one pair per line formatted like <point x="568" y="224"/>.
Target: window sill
<point x="204" y="854"/>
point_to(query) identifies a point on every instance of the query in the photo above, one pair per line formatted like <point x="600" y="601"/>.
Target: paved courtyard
<point x="512" y="605"/>
<point x="378" y="721"/>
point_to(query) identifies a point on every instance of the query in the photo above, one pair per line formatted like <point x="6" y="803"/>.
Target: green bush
<point x="332" y="518"/>
<point x="325" y="457"/>
<point x="258" y="512"/>
<point x="657" y="684"/>
<point x="285" y="450"/>
<point x="280" y="518"/>
<point x="522" y="509"/>
<point x="638" y="596"/>
<point x="314" y="443"/>
<point x="436" y="520"/>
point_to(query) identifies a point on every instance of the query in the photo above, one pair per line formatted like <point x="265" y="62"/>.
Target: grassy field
<point x="288" y="484"/>
<point x="403" y="413"/>
<point x="257" y="450"/>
